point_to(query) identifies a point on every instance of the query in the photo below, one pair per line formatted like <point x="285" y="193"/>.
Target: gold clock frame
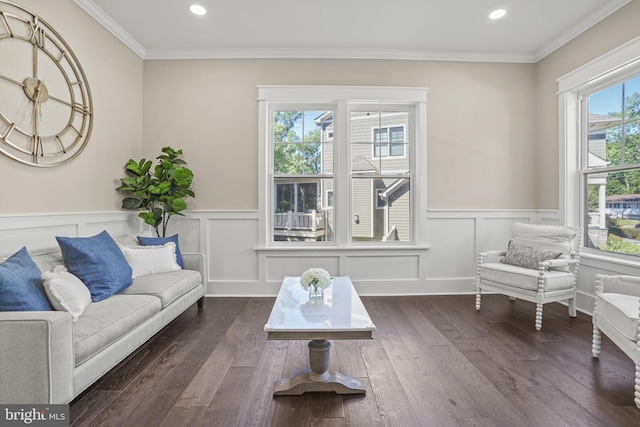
<point x="74" y="109"/>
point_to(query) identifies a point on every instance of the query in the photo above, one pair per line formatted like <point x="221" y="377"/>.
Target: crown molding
<point x="589" y="21"/>
<point x="376" y="54"/>
<point x="105" y="20"/>
<point x="365" y="54"/>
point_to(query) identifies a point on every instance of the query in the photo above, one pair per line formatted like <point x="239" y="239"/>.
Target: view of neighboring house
<point x="380" y="171"/>
<point x="601" y="204"/>
<point x="380" y="166"/>
<point x="598" y="126"/>
<point x="380" y="192"/>
<point x="623" y="206"/>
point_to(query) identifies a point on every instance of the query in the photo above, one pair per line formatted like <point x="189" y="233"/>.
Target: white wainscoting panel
<point x="189" y="234"/>
<point x="384" y="267"/>
<point x="453" y="247"/>
<point x="279" y="265"/>
<point x="231" y="250"/>
<point x="236" y="266"/>
<point x="38" y="232"/>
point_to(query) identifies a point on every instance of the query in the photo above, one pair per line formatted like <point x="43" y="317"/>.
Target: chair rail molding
<point x="237" y="266"/>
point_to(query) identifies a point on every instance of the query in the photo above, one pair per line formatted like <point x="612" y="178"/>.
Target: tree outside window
<point x="298" y="176"/>
<point x="613" y="169"/>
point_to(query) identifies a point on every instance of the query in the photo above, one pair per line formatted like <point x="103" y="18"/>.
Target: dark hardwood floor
<point x="434" y="361"/>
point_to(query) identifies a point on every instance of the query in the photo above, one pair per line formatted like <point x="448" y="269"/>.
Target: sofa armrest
<point x="36" y="357"/>
<point x="619" y="284"/>
<point x="490" y="254"/>
<point x="194" y="261"/>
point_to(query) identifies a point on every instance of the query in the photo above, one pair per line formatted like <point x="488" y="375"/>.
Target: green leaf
<point x="178" y="205"/>
<point x="145" y="166"/>
<point x="183" y="176"/>
<point x="131" y="203"/>
<point x="149" y="218"/>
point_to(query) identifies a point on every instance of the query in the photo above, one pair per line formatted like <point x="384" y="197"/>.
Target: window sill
<point x="325" y="248"/>
<point x="604" y="257"/>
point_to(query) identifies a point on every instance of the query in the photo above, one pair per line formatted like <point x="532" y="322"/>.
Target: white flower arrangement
<point x="316" y="278"/>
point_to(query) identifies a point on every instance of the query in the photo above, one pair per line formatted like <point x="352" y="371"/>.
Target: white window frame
<point x="613" y="67"/>
<point x="339" y="98"/>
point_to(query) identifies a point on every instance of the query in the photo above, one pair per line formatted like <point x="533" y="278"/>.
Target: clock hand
<point x="10" y="80"/>
<point x="39" y="93"/>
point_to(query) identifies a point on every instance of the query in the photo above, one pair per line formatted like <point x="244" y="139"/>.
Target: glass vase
<point x="316" y="293"/>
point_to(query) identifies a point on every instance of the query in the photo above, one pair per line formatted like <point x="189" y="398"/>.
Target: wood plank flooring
<point x="434" y="361"/>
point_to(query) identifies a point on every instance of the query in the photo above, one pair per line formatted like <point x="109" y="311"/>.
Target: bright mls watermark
<point x="34" y="415"/>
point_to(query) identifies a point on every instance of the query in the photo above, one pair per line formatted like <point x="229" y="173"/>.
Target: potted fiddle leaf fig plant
<point x="159" y="191"/>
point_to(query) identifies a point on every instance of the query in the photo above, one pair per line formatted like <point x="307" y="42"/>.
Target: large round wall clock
<point x="46" y="113"/>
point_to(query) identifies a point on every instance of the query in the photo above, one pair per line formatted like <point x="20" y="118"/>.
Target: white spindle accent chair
<point x="540" y="265"/>
<point x="616" y="313"/>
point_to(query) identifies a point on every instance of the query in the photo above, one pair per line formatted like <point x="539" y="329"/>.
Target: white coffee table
<point x="339" y="315"/>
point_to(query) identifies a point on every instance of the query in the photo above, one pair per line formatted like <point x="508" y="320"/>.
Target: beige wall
<point x="610" y="33"/>
<point x="115" y="78"/>
<point x="480" y="127"/>
<point x="492" y="127"/>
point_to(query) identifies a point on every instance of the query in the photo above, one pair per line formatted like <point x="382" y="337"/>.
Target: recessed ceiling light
<point x="197" y="9"/>
<point x="497" y="14"/>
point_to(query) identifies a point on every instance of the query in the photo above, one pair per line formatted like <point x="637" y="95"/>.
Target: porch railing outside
<point x="298" y="221"/>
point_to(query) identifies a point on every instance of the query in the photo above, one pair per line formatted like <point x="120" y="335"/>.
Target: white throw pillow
<point x="66" y="292"/>
<point x="146" y="260"/>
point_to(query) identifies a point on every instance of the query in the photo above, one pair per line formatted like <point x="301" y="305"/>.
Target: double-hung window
<point x="600" y="120"/>
<point x="611" y="167"/>
<point x="341" y="166"/>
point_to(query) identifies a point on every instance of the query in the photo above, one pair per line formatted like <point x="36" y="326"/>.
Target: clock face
<point x="46" y="112"/>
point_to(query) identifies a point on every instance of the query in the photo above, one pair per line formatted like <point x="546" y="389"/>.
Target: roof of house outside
<point x="616" y="198"/>
<point x="601" y="121"/>
<point x="362" y="165"/>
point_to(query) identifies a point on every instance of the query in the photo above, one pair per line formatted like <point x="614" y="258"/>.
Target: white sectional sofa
<point x="46" y="357"/>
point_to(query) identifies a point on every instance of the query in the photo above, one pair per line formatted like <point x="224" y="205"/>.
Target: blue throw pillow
<point x="159" y="241"/>
<point x="98" y="262"/>
<point x="21" y="287"/>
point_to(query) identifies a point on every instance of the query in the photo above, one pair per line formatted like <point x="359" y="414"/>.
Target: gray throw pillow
<point x="528" y="256"/>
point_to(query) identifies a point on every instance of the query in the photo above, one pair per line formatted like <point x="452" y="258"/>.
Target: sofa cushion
<point x="98" y="262"/>
<point x="166" y="286"/>
<point x="145" y="260"/>
<point x="48" y="260"/>
<point x="525" y="278"/>
<point x="20" y="284"/>
<point x="157" y="241"/>
<point x="621" y="311"/>
<point x="106" y="321"/>
<point x="551" y="237"/>
<point x="66" y="292"/>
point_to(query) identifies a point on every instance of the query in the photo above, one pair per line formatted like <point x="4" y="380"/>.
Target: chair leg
<point x="572" y="307"/>
<point x="637" y="387"/>
<point x="539" y="316"/>
<point x="596" y="342"/>
<point x="478" y="299"/>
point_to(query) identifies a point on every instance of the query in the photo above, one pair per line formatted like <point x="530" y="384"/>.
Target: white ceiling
<point x="376" y="29"/>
